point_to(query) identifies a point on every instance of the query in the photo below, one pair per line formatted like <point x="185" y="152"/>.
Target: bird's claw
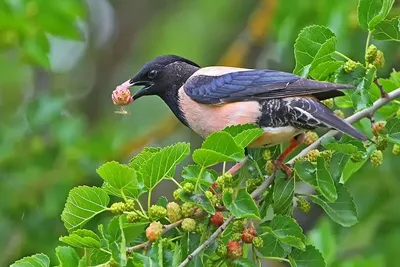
<point x="280" y="165"/>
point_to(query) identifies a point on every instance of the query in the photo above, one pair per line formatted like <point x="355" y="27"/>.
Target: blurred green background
<point x="60" y="61"/>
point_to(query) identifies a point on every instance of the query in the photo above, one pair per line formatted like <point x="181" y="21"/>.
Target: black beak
<point x="144" y="91"/>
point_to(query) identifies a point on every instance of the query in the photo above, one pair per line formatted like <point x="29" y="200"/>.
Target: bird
<point x="208" y="99"/>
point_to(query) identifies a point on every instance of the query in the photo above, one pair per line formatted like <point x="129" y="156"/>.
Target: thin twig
<point x="384" y="94"/>
<point x="352" y="119"/>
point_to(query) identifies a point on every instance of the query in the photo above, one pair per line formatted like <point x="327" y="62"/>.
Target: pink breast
<point x="206" y="119"/>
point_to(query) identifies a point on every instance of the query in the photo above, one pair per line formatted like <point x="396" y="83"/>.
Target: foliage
<point x="283" y="239"/>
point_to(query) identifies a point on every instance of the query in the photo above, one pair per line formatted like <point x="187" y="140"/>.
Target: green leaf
<point x="163" y="163"/>
<point x="82" y="238"/>
<point x="393" y="130"/>
<point x="37" y="260"/>
<point x="67" y="257"/>
<point x="120" y="179"/>
<point x="235" y="130"/>
<point x="242" y="205"/>
<point x="325" y="70"/>
<point x="243" y="263"/>
<point x="191" y="172"/>
<point x="371" y="12"/>
<point x="83" y="203"/>
<point x="98" y="257"/>
<point x="287" y="231"/>
<point x="313" y="46"/>
<point x="388" y="30"/>
<point x="144" y="260"/>
<point x="325" y="181"/>
<point x="273" y="247"/>
<point x="283" y="193"/>
<point x="344" y="101"/>
<point x="337" y="165"/>
<point x="244" y="134"/>
<point x="323" y="237"/>
<point x="306" y="172"/>
<point x="198" y="199"/>
<point x="162" y="201"/>
<point x="352" y="167"/>
<point x="332" y="144"/>
<point x="311" y="257"/>
<point x="217" y="148"/>
<point x="35" y="51"/>
<point x="143" y="157"/>
<point x="343" y="210"/>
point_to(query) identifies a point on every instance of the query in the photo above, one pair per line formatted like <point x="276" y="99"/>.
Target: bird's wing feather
<point x="255" y="85"/>
<point x="309" y="112"/>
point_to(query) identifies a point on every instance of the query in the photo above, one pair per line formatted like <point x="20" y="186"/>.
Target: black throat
<point x="177" y="78"/>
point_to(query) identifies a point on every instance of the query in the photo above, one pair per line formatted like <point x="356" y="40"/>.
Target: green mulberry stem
<point x="367" y="45"/>
<point x="343" y="56"/>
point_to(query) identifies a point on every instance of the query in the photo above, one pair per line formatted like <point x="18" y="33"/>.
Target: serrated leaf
<point x="98" y="257"/>
<point x="332" y="144"/>
<point x="287" y="231"/>
<point x="306" y="172"/>
<point x="388" y="30"/>
<point x="241" y="205"/>
<point x="83" y="203"/>
<point x="199" y="199"/>
<point x="325" y="70"/>
<point x="343" y="210"/>
<point x="325" y="181"/>
<point x="283" y="193"/>
<point x="37" y="260"/>
<point x="393" y="130"/>
<point x="352" y="167"/>
<point x="67" y="257"/>
<point x="273" y="248"/>
<point x="371" y="12"/>
<point x="313" y="46"/>
<point x="323" y="237"/>
<point x="192" y="172"/>
<point x="141" y="158"/>
<point x="120" y="180"/>
<point x="82" y="238"/>
<point x="217" y="148"/>
<point x="234" y="130"/>
<point x="310" y="257"/>
<point x="163" y="163"/>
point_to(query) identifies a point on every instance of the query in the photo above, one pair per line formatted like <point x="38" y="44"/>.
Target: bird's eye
<point x="152" y="74"/>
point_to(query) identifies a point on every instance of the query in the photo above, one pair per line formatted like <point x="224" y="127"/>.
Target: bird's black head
<point x="162" y="76"/>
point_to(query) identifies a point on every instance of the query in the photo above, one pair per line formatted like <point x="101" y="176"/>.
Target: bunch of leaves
<point x="207" y="199"/>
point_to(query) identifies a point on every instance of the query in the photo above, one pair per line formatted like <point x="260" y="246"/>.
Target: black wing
<point x="256" y="85"/>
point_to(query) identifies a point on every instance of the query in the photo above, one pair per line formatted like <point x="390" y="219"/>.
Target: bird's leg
<point x="294" y="143"/>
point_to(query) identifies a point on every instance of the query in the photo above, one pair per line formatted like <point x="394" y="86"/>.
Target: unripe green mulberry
<point x="129" y="205"/>
<point x="227" y="190"/>
<point x="381" y="143"/>
<point x="188" y="187"/>
<point x="269" y="167"/>
<point x="252" y="184"/>
<point x="312" y="155"/>
<point x="267" y="155"/>
<point x="187" y="209"/>
<point x="173" y="212"/>
<point x="327" y="155"/>
<point x="371" y="53"/>
<point x="209" y="194"/>
<point x="396" y="150"/>
<point x="310" y="138"/>
<point x="236" y="236"/>
<point x="357" y="157"/>
<point x="188" y="225"/>
<point x="238" y="225"/>
<point x="329" y="103"/>
<point x="339" y="113"/>
<point x="177" y="193"/>
<point x="215" y="200"/>
<point x="379" y="61"/>
<point x="303" y="205"/>
<point x="156" y="211"/>
<point x="133" y="217"/>
<point x="222" y="250"/>
<point x="349" y="66"/>
<point x="376" y="158"/>
<point x="117" y="208"/>
<point x="258" y="242"/>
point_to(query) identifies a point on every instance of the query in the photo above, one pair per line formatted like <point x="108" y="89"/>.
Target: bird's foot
<point x="280" y="165"/>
